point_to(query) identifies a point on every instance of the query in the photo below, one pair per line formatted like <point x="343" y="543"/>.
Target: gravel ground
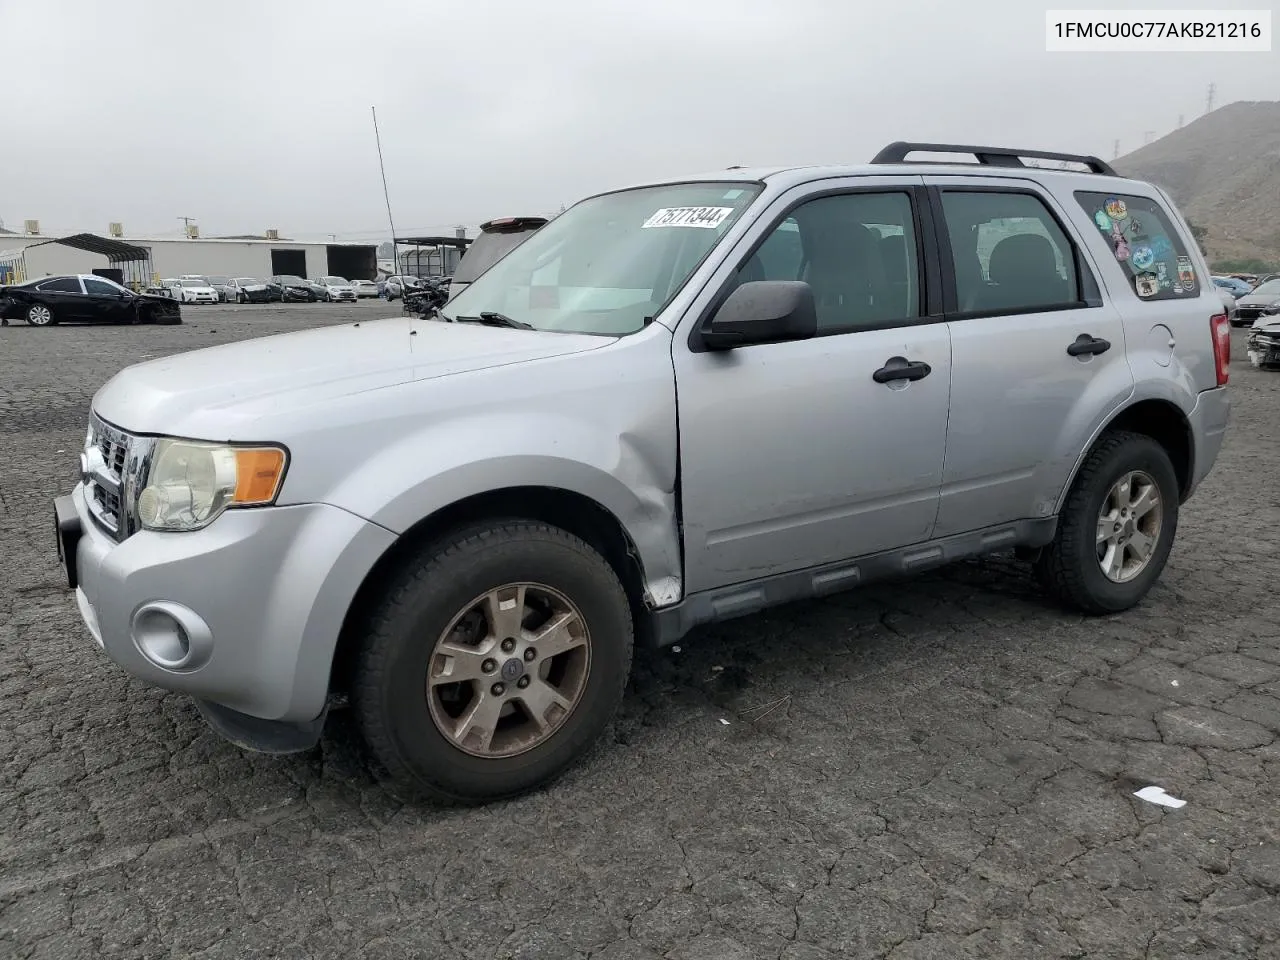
<point x="942" y="768"/>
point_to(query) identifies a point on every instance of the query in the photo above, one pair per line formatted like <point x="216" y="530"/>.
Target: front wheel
<point x="495" y="661"/>
<point x="40" y="315"/>
<point x="1117" y="527"/>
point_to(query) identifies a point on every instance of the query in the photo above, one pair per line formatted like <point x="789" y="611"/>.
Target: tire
<point x="1070" y="568"/>
<point x="40" y="315"/>
<point x="396" y="707"/>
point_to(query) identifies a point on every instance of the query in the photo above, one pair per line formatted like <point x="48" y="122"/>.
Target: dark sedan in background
<point x="290" y="289"/>
<point x="83" y="298"/>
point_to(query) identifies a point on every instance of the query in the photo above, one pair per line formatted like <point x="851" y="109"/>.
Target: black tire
<point x="388" y="692"/>
<point x="1069" y="568"/>
<point x="41" y="315"/>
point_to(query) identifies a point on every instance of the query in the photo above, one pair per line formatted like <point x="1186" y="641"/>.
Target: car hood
<point x="1259" y="300"/>
<point x="1270" y="324"/>
<point x="220" y="393"/>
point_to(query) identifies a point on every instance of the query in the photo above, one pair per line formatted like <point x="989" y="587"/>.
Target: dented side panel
<point x="601" y="424"/>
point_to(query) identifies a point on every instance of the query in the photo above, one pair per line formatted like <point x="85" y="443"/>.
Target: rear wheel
<point x="1117" y="527"/>
<point x="495" y="661"/>
<point x="40" y="315"/>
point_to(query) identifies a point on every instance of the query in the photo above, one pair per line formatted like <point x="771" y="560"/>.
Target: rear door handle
<point x="900" y="368"/>
<point x="1085" y="344"/>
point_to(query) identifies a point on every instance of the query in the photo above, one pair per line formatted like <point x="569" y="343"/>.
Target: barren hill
<point x="1223" y="171"/>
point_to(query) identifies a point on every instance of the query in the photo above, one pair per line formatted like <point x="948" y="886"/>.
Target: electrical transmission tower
<point x="1208" y="102"/>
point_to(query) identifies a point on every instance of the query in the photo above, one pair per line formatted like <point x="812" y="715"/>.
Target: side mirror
<point x="763" y="311"/>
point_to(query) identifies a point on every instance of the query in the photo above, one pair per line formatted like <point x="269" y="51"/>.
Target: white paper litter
<point x="1174" y="682"/>
<point x="724" y="721"/>
<point x="675" y="649"/>
<point x="1157" y="795"/>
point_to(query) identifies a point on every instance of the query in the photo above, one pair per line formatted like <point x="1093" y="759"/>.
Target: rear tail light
<point x="1220" y="326"/>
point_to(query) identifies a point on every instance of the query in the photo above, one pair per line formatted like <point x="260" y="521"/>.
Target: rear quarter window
<point x="1141" y="236"/>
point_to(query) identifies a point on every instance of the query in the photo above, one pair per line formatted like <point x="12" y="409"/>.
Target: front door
<point x="796" y="454"/>
<point x="106" y="302"/>
<point x="1038" y="359"/>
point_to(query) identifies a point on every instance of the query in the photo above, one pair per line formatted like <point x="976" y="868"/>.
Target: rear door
<point x="1038" y="356"/>
<point x="65" y="296"/>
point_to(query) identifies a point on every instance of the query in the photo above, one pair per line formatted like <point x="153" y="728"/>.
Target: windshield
<point x="332" y="280"/>
<point x="1270" y="288"/>
<point x="219" y="280"/>
<point x="292" y="280"/>
<point x="244" y="280"/>
<point x="608" y="264"/>
<point x="193" y="283"/>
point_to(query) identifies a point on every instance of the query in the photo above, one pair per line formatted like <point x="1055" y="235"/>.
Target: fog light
<point x="171" y="636"/>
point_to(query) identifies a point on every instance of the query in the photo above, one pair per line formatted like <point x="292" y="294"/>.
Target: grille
<point x="1248" y="313"/>
<point x="104" y="468"/>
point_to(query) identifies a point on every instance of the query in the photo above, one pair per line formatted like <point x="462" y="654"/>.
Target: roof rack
<point x="989" y="156"/>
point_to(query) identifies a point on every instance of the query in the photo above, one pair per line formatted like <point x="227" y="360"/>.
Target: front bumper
<point x="260" y="594"/>
<point x="1208" y="421"/>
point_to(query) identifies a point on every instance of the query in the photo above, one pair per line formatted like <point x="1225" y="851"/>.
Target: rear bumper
<point x="1208" y="421"/>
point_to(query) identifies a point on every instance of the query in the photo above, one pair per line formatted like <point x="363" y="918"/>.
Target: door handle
<point x="900" y="368"/>
<point x="1086" y="345"/>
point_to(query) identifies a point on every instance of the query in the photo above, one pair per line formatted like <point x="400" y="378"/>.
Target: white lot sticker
<point x="709" y="217"/>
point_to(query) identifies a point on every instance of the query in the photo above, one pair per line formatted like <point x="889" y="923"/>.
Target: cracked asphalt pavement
<point x="937" y="768"/>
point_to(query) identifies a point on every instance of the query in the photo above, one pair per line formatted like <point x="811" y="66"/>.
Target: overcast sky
<point x="249" y="115"/>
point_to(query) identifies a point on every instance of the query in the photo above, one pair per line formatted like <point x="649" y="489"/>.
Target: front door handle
<point x="1086" y="345"/>
<point x="900" y="368"/>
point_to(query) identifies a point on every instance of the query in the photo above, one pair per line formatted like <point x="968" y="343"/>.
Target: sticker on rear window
<point x="1186" y="272"/>
<point x="708" y="217"/>
<point x="1146" y="284"/>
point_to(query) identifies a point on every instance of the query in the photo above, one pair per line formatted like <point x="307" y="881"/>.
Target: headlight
<point x="190" y="484"/>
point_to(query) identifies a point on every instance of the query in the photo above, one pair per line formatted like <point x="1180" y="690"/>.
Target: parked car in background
<point x="334" y="289"/>
<point x="1263" y="345"/>
<point x="1262" y="301"/>
<point x="395" y="286"/>
<point x="83" y="298"/>
<point x="291" y="289"/>
<point x="364" y="288"/>
<point x="1238" y="288"/>
<point x="223" y="285"/>
<point x="191" y="290"/>
<point x="497" y="239"/>
<point x="1250" y="278"/>
<point x="249" y="290"/>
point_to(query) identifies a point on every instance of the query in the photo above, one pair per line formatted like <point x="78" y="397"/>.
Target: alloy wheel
<point x="508" y="670"/>
<point x="39" y="315"/>
<point x="1129" y="526"/>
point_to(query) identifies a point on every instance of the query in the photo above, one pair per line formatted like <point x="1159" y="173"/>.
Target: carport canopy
<point x="116" y="251"/>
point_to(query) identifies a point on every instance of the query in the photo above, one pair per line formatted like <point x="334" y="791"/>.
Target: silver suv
<point x="673" y="404"/>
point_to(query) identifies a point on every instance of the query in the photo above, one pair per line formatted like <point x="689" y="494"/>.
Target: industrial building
<point x="145" y="260"/>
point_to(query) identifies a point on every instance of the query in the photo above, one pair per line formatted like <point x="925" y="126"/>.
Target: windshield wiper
<point x="491" y="318"/>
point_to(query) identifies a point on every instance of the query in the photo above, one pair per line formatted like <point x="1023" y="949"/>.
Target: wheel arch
<point x="569" y="510"/>
<point x="1164" y="422"/>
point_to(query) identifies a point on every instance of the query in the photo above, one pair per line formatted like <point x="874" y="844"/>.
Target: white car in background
<point x="188" y="290"/>
<point x="364" y="288"/>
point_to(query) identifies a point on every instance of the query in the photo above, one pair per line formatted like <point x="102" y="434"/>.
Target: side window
<point x="97" y="288"/>
<point x="858" y="253"/>
<point x="1143" y="240"/>
<point x="1009" y="253"/>
<point x="62" y="285"/>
